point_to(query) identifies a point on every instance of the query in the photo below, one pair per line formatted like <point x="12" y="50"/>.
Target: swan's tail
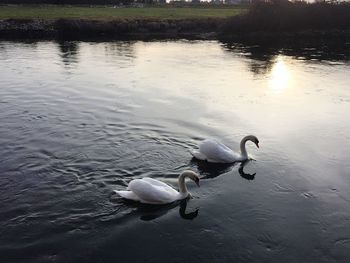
<point x="127" y="195"/>
<point x="198" y="155"/>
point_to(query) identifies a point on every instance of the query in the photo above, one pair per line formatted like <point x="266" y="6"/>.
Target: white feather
<point x="128" y="195"/>
<point x="151" y="191"/>
<point x="215" y="152"/>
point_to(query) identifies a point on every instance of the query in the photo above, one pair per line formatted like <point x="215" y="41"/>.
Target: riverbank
<point x="201" y="29"/>
<point x="263" y="22"/>
<point x="113" y="29"/>
<point x="108" y="22"/>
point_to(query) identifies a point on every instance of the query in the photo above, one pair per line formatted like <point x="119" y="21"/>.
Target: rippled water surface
<point x="80" y="119"/>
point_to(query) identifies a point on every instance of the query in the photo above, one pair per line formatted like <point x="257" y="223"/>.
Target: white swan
<point x="151" y="191"/>
<point x="215" y="152"/>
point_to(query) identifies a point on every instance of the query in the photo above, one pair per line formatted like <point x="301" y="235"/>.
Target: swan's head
<point x="253" y="139"/>
<point x="192" y="175"/>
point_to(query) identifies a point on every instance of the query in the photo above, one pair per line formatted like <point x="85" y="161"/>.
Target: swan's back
<point x="217" y="152"/>
<point x="152" y="193"/>
<point x="155" y="182"/>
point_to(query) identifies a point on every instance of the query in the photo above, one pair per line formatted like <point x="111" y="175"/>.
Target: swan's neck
<point x="243" y="149"/>
<point x="182" y="184"/>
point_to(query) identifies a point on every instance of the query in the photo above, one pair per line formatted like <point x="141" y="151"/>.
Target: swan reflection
<point x="212" y="170"/>
<point x="148" y="212"/>
<point x="244" y="175"/>
<point x="182" y="211"/>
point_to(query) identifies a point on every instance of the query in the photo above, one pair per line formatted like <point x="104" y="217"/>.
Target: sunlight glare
<point x="280" y="76"/>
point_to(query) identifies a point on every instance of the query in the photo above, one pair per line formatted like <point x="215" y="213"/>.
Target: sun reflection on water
<point x="280" y="76"/>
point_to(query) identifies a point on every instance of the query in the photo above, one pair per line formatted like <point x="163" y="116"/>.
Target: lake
<point x="81" y="119"/>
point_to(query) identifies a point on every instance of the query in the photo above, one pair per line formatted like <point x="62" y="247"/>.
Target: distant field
<point x="109" y="13"/>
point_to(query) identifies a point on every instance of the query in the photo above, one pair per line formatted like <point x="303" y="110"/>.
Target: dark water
<point x="78" y="120"/>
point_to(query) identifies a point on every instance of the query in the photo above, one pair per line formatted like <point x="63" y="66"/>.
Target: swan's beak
<point x="257" y="145"/>
<point x="197" y="183"/>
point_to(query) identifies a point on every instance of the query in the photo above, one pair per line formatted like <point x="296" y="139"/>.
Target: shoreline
<point x="112" y="29"/>
<point x="146" y="29"/>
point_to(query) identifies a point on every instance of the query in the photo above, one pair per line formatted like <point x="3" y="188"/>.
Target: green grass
<point x="108" y="13"/>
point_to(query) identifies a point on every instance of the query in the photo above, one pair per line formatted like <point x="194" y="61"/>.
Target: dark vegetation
<point x="110" y="29"/>
<point x="285" y="17"/>
<point x="138" y="28"/>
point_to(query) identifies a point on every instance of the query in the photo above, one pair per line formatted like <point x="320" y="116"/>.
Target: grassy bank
<point x="50" y="12"/>
<point x="294" y="21"/>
